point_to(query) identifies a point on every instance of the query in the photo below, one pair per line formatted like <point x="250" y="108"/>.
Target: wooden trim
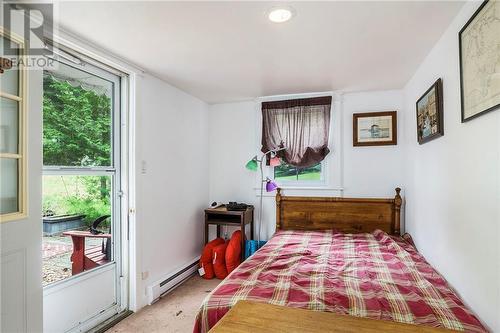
<point x="10" y="96"/>
<point x="394" y="140"/>
<point x="10" y="155"/>
<point x="13" y="216"/>
<point x="18" y="39"/>
<point x="278" y="208"/>
<point x="24" y="136"/>
<point x="353" y="215"/>
<point x="398" y="201"/>
<point x="22" y="155"/>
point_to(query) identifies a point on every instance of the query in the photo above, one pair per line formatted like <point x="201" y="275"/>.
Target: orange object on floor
<point x="233" y="252"/>
<point x="206" y="258"/>
<point x="219" y="261"/>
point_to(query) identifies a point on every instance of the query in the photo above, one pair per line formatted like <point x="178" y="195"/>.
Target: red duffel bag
<point x="219" y="261"/>
<point x="206" y="258"/>
<point x="233" y="251"/>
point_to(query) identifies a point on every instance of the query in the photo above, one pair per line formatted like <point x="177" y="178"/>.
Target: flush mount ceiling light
<point x="280" y="14"/>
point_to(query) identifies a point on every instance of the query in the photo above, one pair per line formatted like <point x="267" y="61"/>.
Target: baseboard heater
<point x="164" y="286"/>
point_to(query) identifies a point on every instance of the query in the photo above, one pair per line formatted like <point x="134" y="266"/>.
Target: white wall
<point x="372" y="171"/>
<point x="232" y="143"/>
<point x="452" y="195"/>
<point x="20" y="240"/>
<point x="171" y="138"/>
<point x="234" y="137"/>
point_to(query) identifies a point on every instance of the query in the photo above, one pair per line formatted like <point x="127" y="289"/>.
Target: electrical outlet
<point x="145" y="275"/>
<point x="143" y="167"/>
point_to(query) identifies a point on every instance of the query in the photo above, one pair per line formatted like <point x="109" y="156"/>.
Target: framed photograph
<point x="430" y="114"/>
<point x="375" y="129"/>
<point x="479" y="43"/>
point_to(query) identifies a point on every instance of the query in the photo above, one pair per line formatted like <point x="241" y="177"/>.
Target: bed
<point x="344" y="256"/>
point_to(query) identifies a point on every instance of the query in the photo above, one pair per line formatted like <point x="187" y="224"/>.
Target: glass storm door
<point x="82" y="252"/>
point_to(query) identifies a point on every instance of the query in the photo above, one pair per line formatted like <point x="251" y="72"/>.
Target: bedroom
<point x="185" y="86"/>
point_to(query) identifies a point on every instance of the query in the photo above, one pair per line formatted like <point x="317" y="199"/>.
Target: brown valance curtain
<point x="301" y="125"/>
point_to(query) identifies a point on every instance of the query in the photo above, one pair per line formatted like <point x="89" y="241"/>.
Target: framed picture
<point x="430" y="113"/>
<point x="479" y="43"/>
<point x="375" y="129"/>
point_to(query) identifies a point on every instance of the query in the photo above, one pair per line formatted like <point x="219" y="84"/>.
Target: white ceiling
<point x="227" y="51"/>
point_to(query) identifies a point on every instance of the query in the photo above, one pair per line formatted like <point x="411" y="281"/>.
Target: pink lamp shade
<point x="270" y="185"/>
<point x="275" y="161"/>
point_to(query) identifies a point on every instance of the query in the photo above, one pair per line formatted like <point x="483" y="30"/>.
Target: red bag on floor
<point x="219" y="261"/>
<point x="206" y="258"/>
<point x="233" y="252"/>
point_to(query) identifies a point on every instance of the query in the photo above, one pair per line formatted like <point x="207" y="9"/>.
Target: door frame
<point x="121" y="181"/>
<point x="133" y="74"/>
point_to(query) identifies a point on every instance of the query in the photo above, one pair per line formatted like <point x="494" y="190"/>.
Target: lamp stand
<point x="252" y="165"/>
<point x="260" y="201"/>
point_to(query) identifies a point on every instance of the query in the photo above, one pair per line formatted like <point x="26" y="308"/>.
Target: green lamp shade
<point x="252" y="165"/>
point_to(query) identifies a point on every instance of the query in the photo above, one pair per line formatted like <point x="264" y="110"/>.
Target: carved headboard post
<point x="278" y="209"/>
<point x="397" y="212"/>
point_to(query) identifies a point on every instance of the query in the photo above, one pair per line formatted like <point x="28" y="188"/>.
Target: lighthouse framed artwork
<point x="375" y="129"/>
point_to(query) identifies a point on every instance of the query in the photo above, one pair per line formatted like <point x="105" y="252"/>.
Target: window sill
<point x="298" y="190"/>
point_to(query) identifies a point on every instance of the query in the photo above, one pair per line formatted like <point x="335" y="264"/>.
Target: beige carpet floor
<point x="174" y="313"/>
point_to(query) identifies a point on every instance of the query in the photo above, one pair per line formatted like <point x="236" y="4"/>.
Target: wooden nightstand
<point x="221" y="216"/>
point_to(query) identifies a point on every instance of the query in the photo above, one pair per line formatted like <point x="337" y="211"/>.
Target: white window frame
<point x="92" y="66"/>
<point x="331" y="166"/>
<point x="21" y="155"/>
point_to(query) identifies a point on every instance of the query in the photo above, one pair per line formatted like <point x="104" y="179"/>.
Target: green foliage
<point x="76" y="132"/>
<point x="91" y="208"/>
<point x="289" y="172"/>
<point x="97" y="187"/>
<point x="77" y="125"/>
<point x="87" y="195"/>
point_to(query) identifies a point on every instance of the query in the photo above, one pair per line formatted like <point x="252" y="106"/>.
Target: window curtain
<point x="300" y="125"/>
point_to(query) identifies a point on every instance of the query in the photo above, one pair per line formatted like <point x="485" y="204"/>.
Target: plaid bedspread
<point x="367" y="275"/>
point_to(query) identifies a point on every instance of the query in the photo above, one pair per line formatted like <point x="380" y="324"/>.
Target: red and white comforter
<point x="367" y="275"/>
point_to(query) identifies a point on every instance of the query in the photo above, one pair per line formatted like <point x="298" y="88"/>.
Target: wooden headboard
<point x="352" y="215"/>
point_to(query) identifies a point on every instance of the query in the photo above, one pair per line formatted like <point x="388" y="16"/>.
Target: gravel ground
<point x="56" y="268"/>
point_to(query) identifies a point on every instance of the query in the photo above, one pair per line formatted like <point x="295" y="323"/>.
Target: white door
<point x="20" y="179"/>
<point x="82" y="183"/>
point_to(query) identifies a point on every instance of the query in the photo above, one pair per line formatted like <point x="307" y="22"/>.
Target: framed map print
<point x="375" y="129"/>
<point x="430" y="113"/>
<point x="479" y="43"/>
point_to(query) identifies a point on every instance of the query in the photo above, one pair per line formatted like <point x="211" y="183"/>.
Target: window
<point x="288" y="173"/>
<point x="302" y="127"/>
<point x="12" y="136"/>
